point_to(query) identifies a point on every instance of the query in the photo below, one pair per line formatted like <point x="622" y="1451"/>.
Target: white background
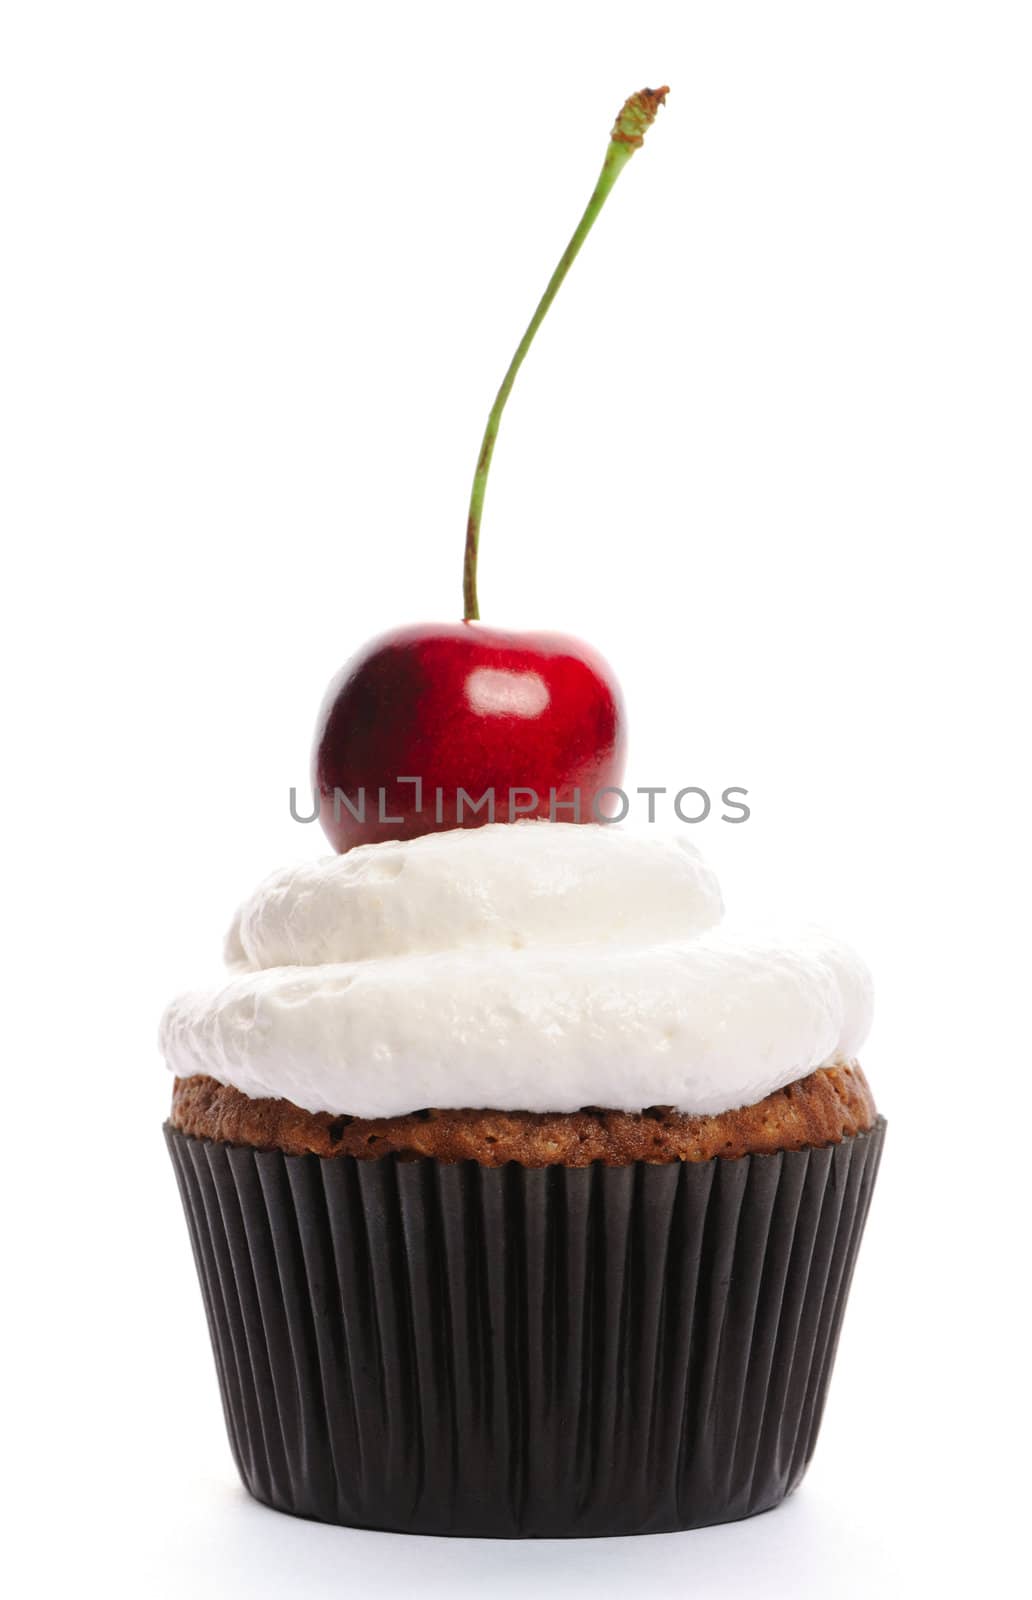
<point x="264" y="265"/>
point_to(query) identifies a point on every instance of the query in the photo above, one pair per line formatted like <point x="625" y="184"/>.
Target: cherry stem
<point x="628" y="134"/>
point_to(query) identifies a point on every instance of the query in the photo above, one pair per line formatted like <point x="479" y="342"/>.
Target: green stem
<point x="628" y="134"/>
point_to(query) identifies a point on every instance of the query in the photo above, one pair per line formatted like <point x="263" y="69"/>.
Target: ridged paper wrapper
<point x="524" y="1352"/>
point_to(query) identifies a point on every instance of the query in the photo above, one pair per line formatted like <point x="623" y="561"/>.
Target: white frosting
<point x="501" y="887"/>
<point x="537" y="966"/>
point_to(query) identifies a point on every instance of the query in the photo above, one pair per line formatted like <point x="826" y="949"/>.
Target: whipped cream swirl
<point x="534" y="966"/>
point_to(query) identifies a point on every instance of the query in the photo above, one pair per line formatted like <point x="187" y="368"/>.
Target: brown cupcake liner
<point x="514" y="1352"/>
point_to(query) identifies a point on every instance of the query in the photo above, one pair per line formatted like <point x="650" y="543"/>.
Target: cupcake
<point x="524" y="1192"/>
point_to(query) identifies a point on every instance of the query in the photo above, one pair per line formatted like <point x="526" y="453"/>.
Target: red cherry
<point x="461" y="707"/>
<point x="451" y="725"/>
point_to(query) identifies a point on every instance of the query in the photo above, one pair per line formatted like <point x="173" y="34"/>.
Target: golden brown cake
<point x="823" y="1108"/>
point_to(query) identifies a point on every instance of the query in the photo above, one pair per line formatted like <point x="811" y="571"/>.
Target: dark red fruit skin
<point x="463" y="706"/>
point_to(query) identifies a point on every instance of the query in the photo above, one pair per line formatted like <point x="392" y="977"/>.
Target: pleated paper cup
<point x="524" y="1352"/>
